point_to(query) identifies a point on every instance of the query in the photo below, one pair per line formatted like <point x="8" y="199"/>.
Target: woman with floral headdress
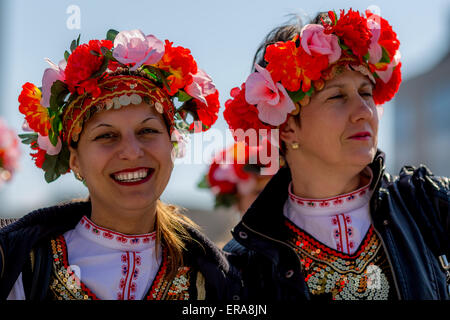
<point x="332" y="224"/>
<point x="112" y="113"/>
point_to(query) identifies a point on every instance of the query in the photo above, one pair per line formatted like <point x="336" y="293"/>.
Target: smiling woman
<point x="107" y="112"/>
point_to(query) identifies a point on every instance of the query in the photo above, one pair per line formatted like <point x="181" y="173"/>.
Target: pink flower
<point x="45" y="144"/>
<point x="272" y="100"/>
<point x="375" y="50"/>
<point x="136" y="48"/>
<point x="386" y="75"/>
<point x="52" y="74"/>
<point x="314" y="40"/>
<point x="201" y="86"/>
<point x="9" y="151"/>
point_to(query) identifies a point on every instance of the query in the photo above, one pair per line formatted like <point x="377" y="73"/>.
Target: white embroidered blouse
<point x="340" y="223"/>
<point x="114" y="266"/>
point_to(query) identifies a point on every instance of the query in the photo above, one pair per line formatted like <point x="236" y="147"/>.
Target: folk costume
<point x="387" y="240"/>
<point x="59" y="252"/>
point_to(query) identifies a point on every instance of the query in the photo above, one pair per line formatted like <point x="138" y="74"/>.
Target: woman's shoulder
<point x="420" y="178"/>
<point x="65" y="213"/>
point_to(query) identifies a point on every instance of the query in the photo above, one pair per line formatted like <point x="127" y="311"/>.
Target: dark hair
<point x="285" y="32"/>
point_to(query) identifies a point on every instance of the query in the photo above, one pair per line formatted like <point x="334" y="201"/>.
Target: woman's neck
<point x="131" y="222"/>
<point x="322" y="183"/>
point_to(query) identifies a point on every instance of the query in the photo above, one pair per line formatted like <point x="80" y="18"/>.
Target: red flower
<point x="241" y="115"/>
<point x="352" y="30"/>
<point x="179" y="62"/>
<point x="36" y="115"/>
<point x="208" y="113"/>
<point x="384" y="92"/>
<point x="39" y="156"/>
<point x="292" y="66"/>
<point x="222" y="186"/>
<point x="82" y="64"/>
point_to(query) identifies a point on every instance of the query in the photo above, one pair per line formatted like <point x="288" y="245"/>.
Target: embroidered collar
<point x="343" y="203"/>
<point x="112" y="239"/>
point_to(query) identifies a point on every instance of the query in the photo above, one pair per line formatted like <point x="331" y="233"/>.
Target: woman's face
<point x="124" y="156"/>
<point x="339" y="126"/>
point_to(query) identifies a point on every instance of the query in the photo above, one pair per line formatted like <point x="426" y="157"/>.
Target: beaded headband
<point x="299" y="67"/>
<point x="127" y="68"/>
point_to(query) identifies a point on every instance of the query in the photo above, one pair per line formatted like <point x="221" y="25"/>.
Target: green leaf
<point x="111" y="34"/>
<point x="78" y="40"/>
<point x="56" y="165"/>
<point x="160" y="76"/>
<point x="182" y="96"/>
<point x="73" y="45"/>
<point x="28" y="138"/>
<point x="95" y="53"/>
<point x="310" y="91"/>
<point x="59" y="93"/>
<point x="102" y="69"/>
<point x="296" y="96"/>
<point x="385" y="57"/>
<point x="225" y="200"/>
<point x="66" y="55"/>
<point x="344" y="47"/>
<point x="151" y="74"/>
<point x="366" y="57"/>
<point x="203" y="184"/>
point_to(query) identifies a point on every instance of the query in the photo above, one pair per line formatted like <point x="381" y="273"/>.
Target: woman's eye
<point x="338" y="96"/>
<point x="367" y="94"/>
<point x="105" y="136"/>
<point x="148" y="131"/>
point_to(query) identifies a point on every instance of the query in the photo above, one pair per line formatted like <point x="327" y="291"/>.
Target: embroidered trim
<point x="343" y="235"/>
<point x="164" y="288"/>
<point x="363" y="275"/>
<point x="119" y="237"/>
<point x="65" y="285"/>
<point x="329" y="202"/>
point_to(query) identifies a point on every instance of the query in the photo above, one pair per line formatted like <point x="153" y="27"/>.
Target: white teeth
<point x="132" y="176"/>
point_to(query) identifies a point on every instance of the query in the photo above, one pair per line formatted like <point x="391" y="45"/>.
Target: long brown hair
<point x="171" y="231"/>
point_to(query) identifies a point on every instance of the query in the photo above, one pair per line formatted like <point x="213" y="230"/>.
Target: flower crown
<point x="126" y="68"/>
<point x="9" y="152"/>
<point x="299" y="67"/>
<point x="232" y="171"/>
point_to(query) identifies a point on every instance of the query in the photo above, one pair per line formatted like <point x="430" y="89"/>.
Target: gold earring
<point x="294" y="145"/>
<point x="78" y="176"/>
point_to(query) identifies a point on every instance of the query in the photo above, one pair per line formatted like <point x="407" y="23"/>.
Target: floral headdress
<point x="9" y="152"/>
<point x="127" y="68"/>
<point x="299" y="67"/>
<point x="233" y="170"/>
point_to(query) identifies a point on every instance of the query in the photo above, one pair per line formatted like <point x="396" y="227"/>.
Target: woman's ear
<point x="74" y="161"/>
<point x="288" y="132"/>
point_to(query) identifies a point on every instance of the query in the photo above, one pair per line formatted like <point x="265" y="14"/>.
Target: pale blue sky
<point x="222" y="36"/>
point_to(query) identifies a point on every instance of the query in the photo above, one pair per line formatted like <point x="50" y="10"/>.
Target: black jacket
<point x="34" y="230"/>
<point x="410" y="213"/>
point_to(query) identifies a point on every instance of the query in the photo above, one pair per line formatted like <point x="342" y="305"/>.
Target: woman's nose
<point x="362" y="109"/>
<point x="131" y="148"/>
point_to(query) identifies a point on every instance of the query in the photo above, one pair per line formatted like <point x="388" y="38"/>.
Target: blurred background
<point x="222" y="36"/>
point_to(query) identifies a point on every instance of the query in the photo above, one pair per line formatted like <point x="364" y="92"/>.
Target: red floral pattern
<point x="84" y="61"/>
<point x="180" y="63"/>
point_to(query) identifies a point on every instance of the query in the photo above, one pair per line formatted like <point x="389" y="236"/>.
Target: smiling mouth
<point x="132" y="176"/>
